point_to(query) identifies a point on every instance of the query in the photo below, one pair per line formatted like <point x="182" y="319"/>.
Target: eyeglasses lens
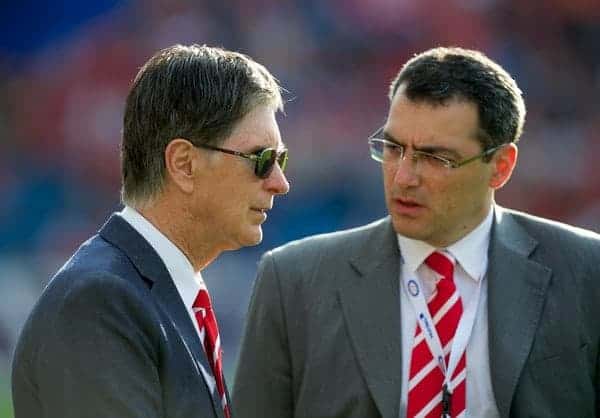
<point x="266" y="161"/>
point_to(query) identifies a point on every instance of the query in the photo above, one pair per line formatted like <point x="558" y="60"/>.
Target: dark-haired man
<point x="126" y="327"/>
<point x="452" y="306"/>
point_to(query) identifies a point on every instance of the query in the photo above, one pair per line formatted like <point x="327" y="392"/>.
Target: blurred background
<point x="65" y="68"/>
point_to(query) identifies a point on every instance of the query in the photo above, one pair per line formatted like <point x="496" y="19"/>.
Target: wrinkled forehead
<point x="258" y="129"/>
<point x="425" y="123"/>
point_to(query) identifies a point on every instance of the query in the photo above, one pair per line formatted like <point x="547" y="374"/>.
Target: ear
<point x="504" y="162"/>
<point x="180" y="159"/>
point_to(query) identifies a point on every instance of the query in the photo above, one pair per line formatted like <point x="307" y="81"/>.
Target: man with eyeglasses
<point x="126" y="327"/>
<point x="452" y="306"/>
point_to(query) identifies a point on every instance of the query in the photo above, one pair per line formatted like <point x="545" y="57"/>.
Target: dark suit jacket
<point x="323" y="330"/>
<point x="110" y="337"/>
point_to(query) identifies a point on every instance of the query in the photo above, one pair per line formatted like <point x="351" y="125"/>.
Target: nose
<point x="277" y="183"/>
<point x="406" y="172"/>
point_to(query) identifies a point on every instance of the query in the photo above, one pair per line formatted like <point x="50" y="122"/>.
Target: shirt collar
<point x="187" y="282"/>
<point x="470" y="251"/>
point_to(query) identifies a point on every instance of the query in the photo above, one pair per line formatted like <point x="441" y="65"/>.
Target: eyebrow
<point x="431" y="149"/>
<point x="258" y="148"/>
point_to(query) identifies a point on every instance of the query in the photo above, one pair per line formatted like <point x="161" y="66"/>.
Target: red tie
<point x="209" y="334"/>
<point x="425" y="387"/>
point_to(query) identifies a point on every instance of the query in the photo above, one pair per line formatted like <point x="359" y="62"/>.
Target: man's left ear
<point x="503" y="161"/>
<point x="179" y="164"/>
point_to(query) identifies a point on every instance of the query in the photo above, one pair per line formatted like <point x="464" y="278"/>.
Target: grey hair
<point x="194" y="92"/>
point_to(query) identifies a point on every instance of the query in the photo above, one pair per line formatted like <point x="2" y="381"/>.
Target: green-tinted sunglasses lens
<point x="282" y="160"/>
<point x="265" y="162"/>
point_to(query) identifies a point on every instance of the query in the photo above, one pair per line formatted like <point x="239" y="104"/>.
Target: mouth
<point x="261" y="210"/>
<point x="409" y="207"/>
<point x="408" y="202"/>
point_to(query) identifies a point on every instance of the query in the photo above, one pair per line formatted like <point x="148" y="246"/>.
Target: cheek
<point x="224" y="204"/>
<point x="388" y="179"/>
<point x="466" y="195"/>
<point x="446" y="196"/>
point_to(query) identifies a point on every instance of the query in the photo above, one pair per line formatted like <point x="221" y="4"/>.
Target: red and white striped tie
<point x="425" y="387"/>
<point x="209" y="335"/>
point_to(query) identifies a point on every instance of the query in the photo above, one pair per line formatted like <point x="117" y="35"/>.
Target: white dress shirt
<point x="471" y="255"/>
<point x="187" y="282"/>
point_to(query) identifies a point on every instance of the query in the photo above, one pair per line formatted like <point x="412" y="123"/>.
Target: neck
<point x="476" y="218"/>
<point x="178" y="226"/>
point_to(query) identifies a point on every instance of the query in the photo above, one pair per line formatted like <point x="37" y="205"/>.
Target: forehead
<point x="258" y="129"/>
<point x="453" y="123"/>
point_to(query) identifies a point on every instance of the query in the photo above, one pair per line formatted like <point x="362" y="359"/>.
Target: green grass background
<point x="6" y="410"/>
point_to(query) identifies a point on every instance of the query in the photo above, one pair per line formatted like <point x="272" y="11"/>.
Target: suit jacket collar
<point x="517" y="288"/>
<point x="180" y="269"/>
<point x="122" y="235"/>
<point x="370" y="302"/>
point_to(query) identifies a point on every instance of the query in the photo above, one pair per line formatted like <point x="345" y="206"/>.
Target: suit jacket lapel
<point x="121" y="234"/>
<point x="516" y="294"/>
<point x="166" y="293"/>
<point x="371" y="305"/>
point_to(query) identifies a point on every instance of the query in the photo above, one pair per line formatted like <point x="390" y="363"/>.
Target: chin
<point x="408" y="230"/>
<point x="253" y="237"/>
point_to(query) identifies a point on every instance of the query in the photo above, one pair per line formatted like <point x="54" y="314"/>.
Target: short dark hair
<point x="441" y="74"/>
<point x="194" y="92"/>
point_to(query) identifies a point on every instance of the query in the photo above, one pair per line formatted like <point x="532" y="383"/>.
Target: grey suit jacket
<point x="110" y="337"/>
<point x="323" y="331"/>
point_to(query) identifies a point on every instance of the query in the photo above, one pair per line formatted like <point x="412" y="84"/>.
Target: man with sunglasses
<point x="452" y="306"/>
<point x="126" y="327"/>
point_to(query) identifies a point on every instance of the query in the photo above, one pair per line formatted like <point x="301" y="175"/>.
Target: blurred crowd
<point x="61" y="107"/>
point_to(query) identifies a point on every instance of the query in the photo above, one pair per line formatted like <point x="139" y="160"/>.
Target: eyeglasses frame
<point x="253" y="157"/>
<point x="449" y="164"/>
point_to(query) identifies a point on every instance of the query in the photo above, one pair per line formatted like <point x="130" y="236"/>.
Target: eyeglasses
<point x="385" y="151"/>
<point x="264" y="161"/>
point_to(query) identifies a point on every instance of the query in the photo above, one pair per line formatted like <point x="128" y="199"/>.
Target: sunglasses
<point x="264" y="161"/>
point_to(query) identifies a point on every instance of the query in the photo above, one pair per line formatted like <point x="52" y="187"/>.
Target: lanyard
<point x="461" y="337"/>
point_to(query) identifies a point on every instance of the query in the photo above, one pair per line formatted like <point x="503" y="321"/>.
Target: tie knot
<point x="202" y="300"/>
<point x="441" y="264"/>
